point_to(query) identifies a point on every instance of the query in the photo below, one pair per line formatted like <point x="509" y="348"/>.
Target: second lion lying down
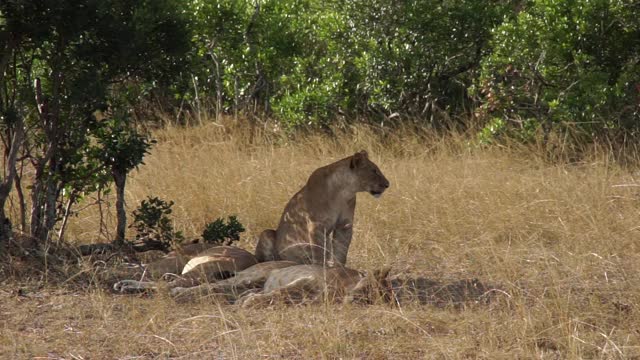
<point x="287" y="282"/>
<point x="284" y="281"/>
<point x="314" y="283"/>
<point x="267" y="282"/>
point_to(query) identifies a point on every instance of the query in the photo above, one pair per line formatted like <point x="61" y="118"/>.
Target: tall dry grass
<point x="560" y="241"/>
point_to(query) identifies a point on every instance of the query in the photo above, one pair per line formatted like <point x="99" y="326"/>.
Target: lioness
<point x="249" y="279"/>
<point x="317" y="224"/>
<point x="193" y="268"/>
<point x="315" y="283"/>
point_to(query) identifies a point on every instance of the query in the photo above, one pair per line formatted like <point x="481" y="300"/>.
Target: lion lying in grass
<point x="286" y="281"/>
<point x="315" y="283"/>
<point x="192" y="265"/>
<point x="229" y="290"/>
<point x="271" y="281"/>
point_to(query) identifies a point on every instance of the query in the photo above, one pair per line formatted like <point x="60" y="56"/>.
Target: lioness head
<point x="371" y="288"/>
<point x="370" y="178"/>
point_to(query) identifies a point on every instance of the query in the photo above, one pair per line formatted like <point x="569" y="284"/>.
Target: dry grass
<point x="561" y="241"/>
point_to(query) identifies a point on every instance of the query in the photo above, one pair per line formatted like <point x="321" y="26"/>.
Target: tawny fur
<point x="211" y="264"/>
<point x="315" y="283"/>
<point x="316" y="226"/>
<point x="230" y="289"/>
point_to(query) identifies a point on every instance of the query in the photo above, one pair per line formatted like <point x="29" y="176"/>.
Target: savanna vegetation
<point x="507" y="129"/>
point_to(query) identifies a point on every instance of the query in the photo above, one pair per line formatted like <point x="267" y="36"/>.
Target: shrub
<point x="561" y="64"/>
<point x="153" y="226"/>
<point x="217" y="232"/>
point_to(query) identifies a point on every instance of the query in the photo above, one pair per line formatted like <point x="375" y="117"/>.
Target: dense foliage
<point x="76" y="75"/>
<point x="516" y="65"/>
<point x="221" y="233"/>
<point x="305" y="61"/>
<point x="69" y="71"/>
<point x="565" y="63"/>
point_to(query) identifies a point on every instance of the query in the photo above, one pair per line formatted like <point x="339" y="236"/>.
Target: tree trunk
<point x="37" y="207"/>
<point x="120" y="179"/>
<point x="51" y="196"/>
<point x="21" y="199"/>
<point x="7" y="51"/>
<point x="44" y="192"/>
<point x="66" y="215"/>
<point x="7" y="182"/>
<point x="5" y="231"/>
<point x="43" y="207"/>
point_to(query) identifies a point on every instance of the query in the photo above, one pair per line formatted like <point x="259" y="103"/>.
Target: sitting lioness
<point x="317" y="224"/>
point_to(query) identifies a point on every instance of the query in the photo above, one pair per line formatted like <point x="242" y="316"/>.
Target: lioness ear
<point x="357" y="158"/>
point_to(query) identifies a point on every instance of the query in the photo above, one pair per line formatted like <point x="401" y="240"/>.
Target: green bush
<point x="63" y="62"/>
<point x="217" y="232"/>
<point x="154" y="228"/>
<point x="310" y="62"/>
<point x="417" y="57"/>
<point x="565" y="64"/>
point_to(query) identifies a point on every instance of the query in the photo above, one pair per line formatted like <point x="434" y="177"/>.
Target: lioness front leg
<point x="341" y="240"/>
<point x="316" y="250"/>
<point x="322" y="252"/>
<point x="266" y="249"/>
